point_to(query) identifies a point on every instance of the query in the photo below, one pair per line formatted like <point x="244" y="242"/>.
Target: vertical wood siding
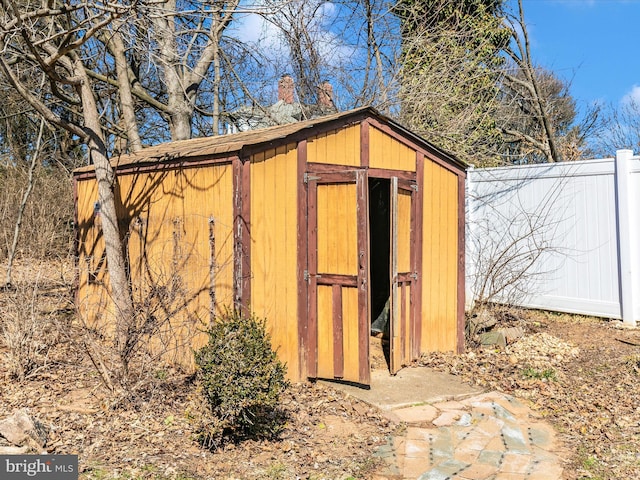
<point x="325" y="331"/>
<point x="404" y="266"/>
<point x="387" y="152"/>
<point x="174" y="209"/>
<point x="351" y="337"/>
<point x="404" y="231"/>
<point x="165" y="218"/>
<point x="274" y="288"/>
<point x="337" y="147"/>
<point x="337" y="229"/>
<point x="93" y="300"/>
<point x="405" y="321"/>
<point x="439" y="259"/>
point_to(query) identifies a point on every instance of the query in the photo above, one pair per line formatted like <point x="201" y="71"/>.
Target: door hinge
<point x="310" y="178"/>
<point x="414" y="276"/>
<point x="414" y="186"/>
<point x="306" y="276"/>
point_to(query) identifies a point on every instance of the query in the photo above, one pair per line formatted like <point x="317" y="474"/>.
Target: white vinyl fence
<point x="562" y="237"/>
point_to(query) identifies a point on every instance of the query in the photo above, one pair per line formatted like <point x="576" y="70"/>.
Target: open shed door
<point x="338" y="276"/>
<point x="403" y="319"/>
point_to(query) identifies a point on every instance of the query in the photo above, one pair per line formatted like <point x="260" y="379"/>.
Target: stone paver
<point x="417" y="414"/>
<point x="448" y="417"/>
<point x="490" y="436"/>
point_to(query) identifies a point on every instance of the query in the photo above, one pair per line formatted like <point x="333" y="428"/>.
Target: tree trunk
<point x="551" y="152"/>
<point x="179" y="111"/>
<point x="127" y="105"/>
<point x="180" y="123"/>
<point x="105" y="177"/>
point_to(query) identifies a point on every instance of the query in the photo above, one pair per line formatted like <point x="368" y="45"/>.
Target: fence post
<point x="470" y="253"/>
<point x="625" y="222"/>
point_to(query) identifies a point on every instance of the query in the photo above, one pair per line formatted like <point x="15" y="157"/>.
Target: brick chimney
<point x="325" y="95"/>
<point x="285" y="89"/>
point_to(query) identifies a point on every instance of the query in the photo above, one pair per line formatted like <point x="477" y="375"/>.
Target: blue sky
<point x="594" y="44"/>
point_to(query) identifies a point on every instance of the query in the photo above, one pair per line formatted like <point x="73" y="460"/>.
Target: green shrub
<point x="241" y="379"/>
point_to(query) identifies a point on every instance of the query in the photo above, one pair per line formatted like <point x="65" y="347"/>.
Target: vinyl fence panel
<point x="561" y="237"/>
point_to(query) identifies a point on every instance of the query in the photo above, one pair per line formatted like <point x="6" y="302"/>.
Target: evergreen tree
<point x="451" y="53"/>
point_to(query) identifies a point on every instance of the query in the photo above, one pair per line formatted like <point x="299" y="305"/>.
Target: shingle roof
<point x="227" y="144"/>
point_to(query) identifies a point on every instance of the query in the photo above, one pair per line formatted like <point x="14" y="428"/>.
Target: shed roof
<point x="266" y="137"/>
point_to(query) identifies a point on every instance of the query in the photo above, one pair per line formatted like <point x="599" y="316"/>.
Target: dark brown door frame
<point x="408" y="181"/>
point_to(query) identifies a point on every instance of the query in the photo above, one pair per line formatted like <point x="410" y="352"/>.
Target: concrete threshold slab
<point x="410" y="386"/>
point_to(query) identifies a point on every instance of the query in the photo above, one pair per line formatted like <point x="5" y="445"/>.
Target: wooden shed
<point x="314" y="226"/>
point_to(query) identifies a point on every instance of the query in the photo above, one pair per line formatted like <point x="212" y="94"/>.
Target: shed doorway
<point x="380" y="269"/>
<point x="361" y="269"/>
<point x="393" y="270"/>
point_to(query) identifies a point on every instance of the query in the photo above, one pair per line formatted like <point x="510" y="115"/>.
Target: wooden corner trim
<point x="461" y="263"/>
<point x="302" y="252"/>
<point x="419" y="225"/>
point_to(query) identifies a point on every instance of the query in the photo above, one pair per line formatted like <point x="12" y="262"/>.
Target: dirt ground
<point x="149" y="434"/>
<point x="327" y="435"/>
<point x="580" y="373"/>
